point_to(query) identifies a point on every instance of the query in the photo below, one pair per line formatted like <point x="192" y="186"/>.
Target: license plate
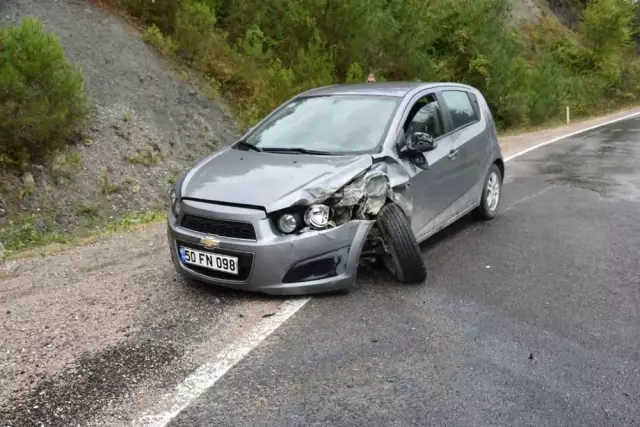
<point x="212" y="261"/>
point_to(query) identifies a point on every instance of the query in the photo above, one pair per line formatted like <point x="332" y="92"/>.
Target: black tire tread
<point x="397" y="234"/>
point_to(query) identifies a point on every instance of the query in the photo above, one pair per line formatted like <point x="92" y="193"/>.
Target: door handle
<point x="453" y="154"/>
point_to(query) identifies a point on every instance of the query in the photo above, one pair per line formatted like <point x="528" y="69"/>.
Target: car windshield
<point x="336" y="124"/>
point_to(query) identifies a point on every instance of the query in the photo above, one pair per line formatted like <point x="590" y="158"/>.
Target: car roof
<point x="396" y="89"/>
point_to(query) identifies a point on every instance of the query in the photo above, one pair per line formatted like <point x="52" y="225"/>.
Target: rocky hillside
<point x="146" y="127"/>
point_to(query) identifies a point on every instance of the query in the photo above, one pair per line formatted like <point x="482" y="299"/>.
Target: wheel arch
<point x="500" y="163"/>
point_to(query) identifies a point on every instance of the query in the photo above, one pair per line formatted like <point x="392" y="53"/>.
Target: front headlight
<point x="288" y="223"/>
<point x="175" y="203"/>
<point x="317" y="216"/>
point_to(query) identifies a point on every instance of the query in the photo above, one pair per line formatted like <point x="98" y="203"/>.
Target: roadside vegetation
<point x="43" y="106"/>
<point x="258" y="54"/>
<point x="42" y="96"/>
<point x="35" y="231"/>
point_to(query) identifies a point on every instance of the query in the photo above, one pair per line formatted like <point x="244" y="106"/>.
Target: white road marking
<point x="528" y="198"/>
<point x="208" y="374"/>
<point x="513" y="156"/>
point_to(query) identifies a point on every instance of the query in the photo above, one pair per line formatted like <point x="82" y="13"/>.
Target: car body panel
<point x="470" y="142"/>
<point x="273" y="255"/>
<point x="432" y="187"/>
<point x="251" y="187"/>
<point x="237" y="177"/>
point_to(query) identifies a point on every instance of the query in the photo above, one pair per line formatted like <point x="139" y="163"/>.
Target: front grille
<point x="219" y="227"/>
<point x="245" y="263"/>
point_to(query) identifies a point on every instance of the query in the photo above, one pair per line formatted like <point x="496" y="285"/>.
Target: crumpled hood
<point x="272" y="181"/>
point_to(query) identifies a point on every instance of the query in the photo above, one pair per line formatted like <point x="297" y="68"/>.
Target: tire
<point x="404" y="259"/>
<point x="488" y="205"/>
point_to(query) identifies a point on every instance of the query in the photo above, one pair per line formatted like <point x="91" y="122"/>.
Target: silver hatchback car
<point x="334" y="177"/>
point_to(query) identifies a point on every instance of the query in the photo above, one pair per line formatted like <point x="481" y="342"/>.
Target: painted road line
<point x="208" y="374"/>
<point x="528" y="198"/>
<point x="513" y="156"/>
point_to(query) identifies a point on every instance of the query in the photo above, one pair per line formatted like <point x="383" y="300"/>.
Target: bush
<point x="162" y="13"/>
<point x="42" y="96"/>
<point x="154" y="36"/>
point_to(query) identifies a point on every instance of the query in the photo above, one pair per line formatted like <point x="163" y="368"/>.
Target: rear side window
<point x="460" y="108"/>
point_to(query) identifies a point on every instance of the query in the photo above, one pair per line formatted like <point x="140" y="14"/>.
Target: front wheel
<point x="402" y="257"/>
<point x="491" y="194"/>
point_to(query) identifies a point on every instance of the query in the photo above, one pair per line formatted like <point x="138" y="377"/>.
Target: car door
<point x="469" y="142"/>
<point x="430" y="187"/>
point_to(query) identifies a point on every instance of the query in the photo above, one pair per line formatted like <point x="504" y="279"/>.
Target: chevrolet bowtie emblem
<point x="209" y="242"/>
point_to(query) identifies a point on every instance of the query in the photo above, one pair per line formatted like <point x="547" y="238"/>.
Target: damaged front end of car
<point x="360" y="199"/>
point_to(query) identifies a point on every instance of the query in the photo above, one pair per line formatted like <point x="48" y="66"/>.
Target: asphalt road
<point x="530" y="320"/>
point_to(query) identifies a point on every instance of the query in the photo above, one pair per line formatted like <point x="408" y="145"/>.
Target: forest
<point x="258" y="54"/>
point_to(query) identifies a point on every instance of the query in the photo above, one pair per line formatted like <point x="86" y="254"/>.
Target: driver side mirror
<point x="420" y="142"/>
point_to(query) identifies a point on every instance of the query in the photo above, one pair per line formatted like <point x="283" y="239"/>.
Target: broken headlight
<point x="317" y="216"/>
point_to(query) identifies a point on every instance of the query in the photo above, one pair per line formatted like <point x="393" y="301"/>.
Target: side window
<point x="425" y="116"/>
<point x="459" y="104"/>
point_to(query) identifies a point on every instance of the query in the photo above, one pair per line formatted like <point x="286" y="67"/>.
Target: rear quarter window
<point x="460" y="108"/>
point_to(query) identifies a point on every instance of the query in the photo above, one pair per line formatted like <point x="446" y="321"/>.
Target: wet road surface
<point x="531" y="319"/>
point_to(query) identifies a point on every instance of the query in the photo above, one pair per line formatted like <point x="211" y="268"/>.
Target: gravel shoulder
<point x="89" y="327"/>
<point x="86" y="329"/>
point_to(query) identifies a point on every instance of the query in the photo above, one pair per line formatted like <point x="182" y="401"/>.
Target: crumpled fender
<point x="364" y="185"/>
<point x="325" y="187"/>
<point x="370" y="191"/>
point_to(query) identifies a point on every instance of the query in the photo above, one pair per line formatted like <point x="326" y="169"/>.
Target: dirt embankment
<point x="148" y="124"/>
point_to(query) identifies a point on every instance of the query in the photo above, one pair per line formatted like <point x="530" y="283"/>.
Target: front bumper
<point x="315" y="261"/>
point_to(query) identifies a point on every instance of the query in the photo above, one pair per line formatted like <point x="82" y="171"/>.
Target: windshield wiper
<point x="247" y="146"/>
<point x="297" y="150"/>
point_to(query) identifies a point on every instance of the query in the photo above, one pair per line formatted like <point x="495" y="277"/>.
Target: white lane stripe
<point x="208" y="374"/>
<point x="528" y="198"/>
<point x="619" y="119"/>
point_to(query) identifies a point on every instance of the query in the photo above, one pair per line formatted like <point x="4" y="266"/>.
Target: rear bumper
<point x="315" y="261"/>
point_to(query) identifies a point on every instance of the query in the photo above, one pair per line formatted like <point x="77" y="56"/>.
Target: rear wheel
<point x="491" y="194"/>
<point x="402" y="256"/>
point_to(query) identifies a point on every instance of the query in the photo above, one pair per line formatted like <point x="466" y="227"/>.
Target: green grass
<point x="173" y="175"/>
<point x="144" y="158"/>
<point x="107" y="187"/>
<point x="22" y="238"/>
<point x="23" y="234"/>
<point x="66" y="164"/>
<point x="86" y="209"/>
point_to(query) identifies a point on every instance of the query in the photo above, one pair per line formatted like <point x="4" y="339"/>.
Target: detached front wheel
<point x="403" y="257"/>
